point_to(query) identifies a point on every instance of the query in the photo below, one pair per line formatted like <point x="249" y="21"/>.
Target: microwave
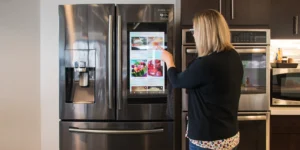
<point x="285" y="87"/>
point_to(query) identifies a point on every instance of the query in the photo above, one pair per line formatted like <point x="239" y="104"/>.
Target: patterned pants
<point x="195" y="147"/>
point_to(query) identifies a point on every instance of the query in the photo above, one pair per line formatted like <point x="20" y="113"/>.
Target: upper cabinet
<point x="236" y="12"/>
<point x="285" y="19"/>
<point x="190" y="7"/>
<point x="248" y="12"/>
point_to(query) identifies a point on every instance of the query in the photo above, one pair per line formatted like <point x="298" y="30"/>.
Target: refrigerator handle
<point x="110" y="76"/>
<point x="119" y="64"/>
<point x="160" y="130"/>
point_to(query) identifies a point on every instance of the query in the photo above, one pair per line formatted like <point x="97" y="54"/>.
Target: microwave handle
<point x="278" y="71"/>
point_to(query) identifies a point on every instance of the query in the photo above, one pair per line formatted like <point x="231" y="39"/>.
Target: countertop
<point x="285" y="110"/>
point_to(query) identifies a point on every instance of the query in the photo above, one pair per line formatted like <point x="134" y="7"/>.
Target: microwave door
<point x="86" y="62"/>
<point x="285" y="86"/>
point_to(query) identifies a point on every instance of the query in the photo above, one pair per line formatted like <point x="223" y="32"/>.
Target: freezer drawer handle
<point x="251" y="118"/>
<point x="116" y="131"/>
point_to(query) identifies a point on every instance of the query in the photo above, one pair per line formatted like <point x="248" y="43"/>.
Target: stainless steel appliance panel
<point x="116" y="135"/>
<point x="255" y="97"/>
<point x="285" y="87"/>
<point x="88" y="27"/>
<point x="127" y="14"/>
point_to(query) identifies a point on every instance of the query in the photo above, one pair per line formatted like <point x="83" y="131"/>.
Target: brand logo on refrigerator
<point x="163" y="14"/>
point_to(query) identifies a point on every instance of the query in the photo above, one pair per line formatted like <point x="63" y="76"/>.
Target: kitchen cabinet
<point x="285" y="19"/>
<point x="190" y="7"/>
<point x="285" y="132"/>
<point x="246" y="12"/>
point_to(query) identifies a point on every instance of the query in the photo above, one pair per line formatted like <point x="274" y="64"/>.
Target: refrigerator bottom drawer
<point x="116" y="135"/>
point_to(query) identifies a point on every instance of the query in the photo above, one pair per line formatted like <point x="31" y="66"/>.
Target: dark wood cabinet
<point x="285" y="132"/>
<point x="248" y="12"/>
<point x="284" y="22"/>
<point x="236" y="12"/>
<point x="190" y="7"/>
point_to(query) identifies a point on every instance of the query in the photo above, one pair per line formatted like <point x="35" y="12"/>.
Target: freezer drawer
<point x="116" y="135"/>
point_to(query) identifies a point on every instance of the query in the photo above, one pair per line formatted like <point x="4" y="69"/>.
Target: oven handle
<point x="254" y="50"/>
<point x="191" y="51"/>
<point x="252" y="118"/>
<point x="160" y="130"/>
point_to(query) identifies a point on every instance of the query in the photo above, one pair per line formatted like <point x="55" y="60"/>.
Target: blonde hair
<point x="211" y="32"/>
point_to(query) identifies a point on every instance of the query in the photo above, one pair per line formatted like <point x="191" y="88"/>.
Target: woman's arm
<point x="195" y="75"/>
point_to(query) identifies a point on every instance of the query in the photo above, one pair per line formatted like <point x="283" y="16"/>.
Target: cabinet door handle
<point x="296" y="25"/>
<point x="232" y="9"/>
<point x="220" y="6"/>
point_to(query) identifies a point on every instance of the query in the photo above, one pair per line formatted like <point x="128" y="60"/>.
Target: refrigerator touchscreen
<point x="147" y="73"/>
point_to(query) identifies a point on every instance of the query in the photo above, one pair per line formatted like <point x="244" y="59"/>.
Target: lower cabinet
<point x="285" y="132"/>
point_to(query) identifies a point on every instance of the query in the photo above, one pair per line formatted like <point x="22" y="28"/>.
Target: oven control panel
<point x="248" y="37"/>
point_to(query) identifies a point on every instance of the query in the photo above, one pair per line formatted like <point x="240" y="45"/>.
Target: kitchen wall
<point x="290" y="48"/>
<point x="20" y="75"/>
<point x="49" y="65"/>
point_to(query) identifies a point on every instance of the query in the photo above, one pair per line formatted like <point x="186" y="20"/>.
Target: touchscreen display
<point x="147" y="72"/>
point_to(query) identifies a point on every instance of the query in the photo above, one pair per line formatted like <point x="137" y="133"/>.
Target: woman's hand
<point x="167" y="57"/>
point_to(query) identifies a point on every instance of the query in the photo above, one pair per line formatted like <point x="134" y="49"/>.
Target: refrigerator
<point x="113" y="88"/>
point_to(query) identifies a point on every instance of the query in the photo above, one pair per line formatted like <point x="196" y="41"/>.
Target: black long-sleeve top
<point x="213" y="83"/>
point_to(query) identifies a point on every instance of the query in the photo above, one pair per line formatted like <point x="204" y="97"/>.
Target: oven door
<point x="285" y="87"/>
<point x="254" y="88"/>
<point x="189" y="53"/>
<point x="254" y="131"/>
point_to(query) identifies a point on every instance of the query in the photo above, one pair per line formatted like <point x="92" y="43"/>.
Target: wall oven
<point x="285" y="87"/>
<point x="253" y="46"/>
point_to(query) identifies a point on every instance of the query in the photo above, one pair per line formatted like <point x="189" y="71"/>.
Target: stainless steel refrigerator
<point x="113" y="88"/>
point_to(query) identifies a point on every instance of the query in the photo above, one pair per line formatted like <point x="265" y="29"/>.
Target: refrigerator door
<point x="137" y="25"/>
<point x="86" y="33"/>
<point x="116" y="135"/>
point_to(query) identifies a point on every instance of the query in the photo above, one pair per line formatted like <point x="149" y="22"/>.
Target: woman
<point x="214" y="82"/>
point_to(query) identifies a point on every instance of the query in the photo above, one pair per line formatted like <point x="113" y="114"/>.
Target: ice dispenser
<point x="80" y="74"/>
<point x="83" y="74"/>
